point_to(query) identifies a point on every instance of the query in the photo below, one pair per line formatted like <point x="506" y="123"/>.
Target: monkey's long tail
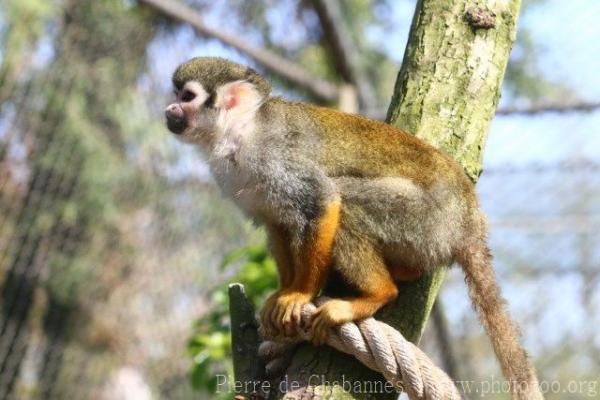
<point x="502" y="330"/>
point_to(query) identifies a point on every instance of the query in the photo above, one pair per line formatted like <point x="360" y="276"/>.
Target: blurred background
<point x="116" y="247"/>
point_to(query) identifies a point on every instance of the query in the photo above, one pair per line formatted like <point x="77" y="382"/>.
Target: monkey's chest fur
<point x="239" y="182"/>
<point x="242" y="171"/>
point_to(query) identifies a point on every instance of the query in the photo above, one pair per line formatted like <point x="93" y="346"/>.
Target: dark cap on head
<point x="213" y="72"/>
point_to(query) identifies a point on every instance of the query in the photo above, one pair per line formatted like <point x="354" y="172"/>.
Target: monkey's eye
<point x="187" y="95"/>
<point x="210" y="101"/>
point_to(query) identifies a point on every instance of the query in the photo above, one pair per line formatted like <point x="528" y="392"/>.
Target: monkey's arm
<point x="306" y="213"/>
<point x="303" y="265"/>
<point x="279" y="245"/>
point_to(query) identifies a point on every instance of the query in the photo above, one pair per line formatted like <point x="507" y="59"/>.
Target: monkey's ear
<point x="237" y="95"/>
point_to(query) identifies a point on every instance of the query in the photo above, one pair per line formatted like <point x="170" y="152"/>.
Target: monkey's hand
<point x="282" y="312"/>
<point x="330" y="314"/>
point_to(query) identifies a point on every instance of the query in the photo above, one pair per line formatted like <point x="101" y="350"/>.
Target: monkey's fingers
<point x="265" y="317"/>
<point x="292" y="318"/>
<point x="269" y="329"/>
<point x="319" y="329"/>
<point x="287" y="312"/>
<point x="274" y="317"/>
<point x="288" y="321"/>
<point x="297" y="314"/>
<point x="283" y="319"/>
<point x="279" y="314"/>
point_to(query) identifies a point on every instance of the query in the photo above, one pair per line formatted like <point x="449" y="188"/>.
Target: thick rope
<point x="378" y="346"/>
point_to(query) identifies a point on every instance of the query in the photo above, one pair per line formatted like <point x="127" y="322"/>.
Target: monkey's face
<point x="193" y="114"/>
<point x="213" y="94"/>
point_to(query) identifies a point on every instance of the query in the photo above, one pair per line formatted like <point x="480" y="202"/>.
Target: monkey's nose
<point x="175" y="118"/>
<point x="174" y="111"/>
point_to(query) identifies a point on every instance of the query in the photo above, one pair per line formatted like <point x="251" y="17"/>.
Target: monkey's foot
<point x="285" y="314"/>
<point x="327" y="316"/>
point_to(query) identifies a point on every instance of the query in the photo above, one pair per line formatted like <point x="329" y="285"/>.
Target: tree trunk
<point x="446" y="94"/>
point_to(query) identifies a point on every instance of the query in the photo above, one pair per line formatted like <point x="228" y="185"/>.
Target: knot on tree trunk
<point x="480" y="18"/>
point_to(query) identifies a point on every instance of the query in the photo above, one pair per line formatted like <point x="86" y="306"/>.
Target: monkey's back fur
<point x="410" y="201"/>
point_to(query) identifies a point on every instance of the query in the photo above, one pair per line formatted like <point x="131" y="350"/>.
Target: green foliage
<point x="210" y="347"/>
<point x="23" y="22"/>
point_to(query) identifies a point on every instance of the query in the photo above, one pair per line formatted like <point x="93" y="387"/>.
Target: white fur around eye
<point x="196" y="88"/>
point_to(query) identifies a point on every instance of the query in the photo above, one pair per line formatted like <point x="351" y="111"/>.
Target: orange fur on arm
<point x="316" y="258"/>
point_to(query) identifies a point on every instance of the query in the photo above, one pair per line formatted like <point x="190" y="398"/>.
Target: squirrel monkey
<point x="340" y="196"/>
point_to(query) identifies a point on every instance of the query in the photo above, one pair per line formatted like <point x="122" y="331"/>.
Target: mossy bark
<point x="446" y="94"/>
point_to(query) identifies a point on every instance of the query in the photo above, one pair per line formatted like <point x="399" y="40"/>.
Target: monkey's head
<point x="210" y="92"/>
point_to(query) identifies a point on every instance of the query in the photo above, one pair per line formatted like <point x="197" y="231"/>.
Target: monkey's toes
<point x="288" y="322"/>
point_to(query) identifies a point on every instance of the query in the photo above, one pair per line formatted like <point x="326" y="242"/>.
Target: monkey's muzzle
<point x="175" y="118"/>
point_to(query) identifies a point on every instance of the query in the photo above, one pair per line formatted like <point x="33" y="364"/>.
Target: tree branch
<point x="550" y="108"/>
<point x="322" y="89"/>
<point x="345" y="54"/>
<point x="578" y="107"/>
